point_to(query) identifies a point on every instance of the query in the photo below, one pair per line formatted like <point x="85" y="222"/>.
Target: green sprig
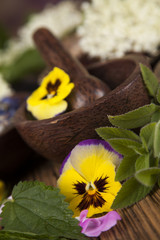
<point x="140" y="165"/>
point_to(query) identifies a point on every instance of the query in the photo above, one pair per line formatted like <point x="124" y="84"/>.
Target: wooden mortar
<point x="55" y="137"/>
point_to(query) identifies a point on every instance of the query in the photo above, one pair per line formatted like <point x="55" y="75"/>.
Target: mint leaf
<point x="156" y="116"/>
<point x="125" y="146"/>
<point x="142" y="162"/>
<point x="158" y="95"/>
<point x="149" y="176"/>
<point x="11" y="235"/>
<point x="150" y="80"/>
<point x="126" y="168"/>
<point x="112" y="132"/>
<point x="156" y="141"/>
<point x="147" y="136"/>
<point x="136" y="118"/>
<point x="131" y="192"/>
<point x="39" y="209"/>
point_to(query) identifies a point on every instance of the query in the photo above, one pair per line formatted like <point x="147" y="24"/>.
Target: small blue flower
<point x="8" y="107"/>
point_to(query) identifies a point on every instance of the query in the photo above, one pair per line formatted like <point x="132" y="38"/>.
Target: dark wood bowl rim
<point x="20" y="116"/>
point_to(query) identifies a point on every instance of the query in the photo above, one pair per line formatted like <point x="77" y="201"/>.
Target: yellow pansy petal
<point x="62" y="75"/>
<point x="44" y="110"/>
<point x="89" y="160"/>
<point x="105" y="169"/>
<point x="109" y="198"/>
<point x="66" y="183"/>
<point x="55" y="74"/>
<point x="113" y="187"/>
<point x="36" y="96"/>
<point x="73" y="205"/>
<point x="62" y="93"/>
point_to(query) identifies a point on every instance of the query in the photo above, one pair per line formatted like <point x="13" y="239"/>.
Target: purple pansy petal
<point x="106" y="145"/>
<point x="92" y="227"/>
<point x="110" y="220"/>
<point x="83" y="215"/>
<point x="64" y="162"/>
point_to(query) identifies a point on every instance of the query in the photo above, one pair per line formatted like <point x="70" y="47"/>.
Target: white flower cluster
<point x="5" y="90"/>
<point x="59" y="19"/>
<point x="113" y="27"/>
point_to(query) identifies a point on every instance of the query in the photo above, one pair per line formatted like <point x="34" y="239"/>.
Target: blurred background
<point x="15" y="13"/>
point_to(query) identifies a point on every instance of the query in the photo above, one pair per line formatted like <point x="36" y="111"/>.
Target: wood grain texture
<point x="139" y="222"/>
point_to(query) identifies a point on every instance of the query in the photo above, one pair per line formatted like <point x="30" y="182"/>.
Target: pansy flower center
<point x="52" y="88"/>
<point x="91" y="188"/>
<point x="91" y="193"/>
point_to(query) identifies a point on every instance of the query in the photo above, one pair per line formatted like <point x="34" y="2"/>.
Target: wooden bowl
<point x="55" y="137"/>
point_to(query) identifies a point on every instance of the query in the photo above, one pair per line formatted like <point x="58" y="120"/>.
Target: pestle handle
<point x="55" y="54"/>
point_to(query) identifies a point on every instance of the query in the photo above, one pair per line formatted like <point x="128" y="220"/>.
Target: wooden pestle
<point x="87" y="88"/>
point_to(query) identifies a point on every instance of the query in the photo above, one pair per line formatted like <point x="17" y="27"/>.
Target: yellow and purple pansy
<point x="88" y="177"/>
<point x="48" y="100"/>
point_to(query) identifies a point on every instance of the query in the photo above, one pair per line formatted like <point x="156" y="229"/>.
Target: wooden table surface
<point x="139" y="222"/>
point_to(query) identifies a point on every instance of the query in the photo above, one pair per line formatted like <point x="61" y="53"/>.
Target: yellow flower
<point x="2" y="190"/>
<point x="48" y="100"/>
<point x="88" y="177"/>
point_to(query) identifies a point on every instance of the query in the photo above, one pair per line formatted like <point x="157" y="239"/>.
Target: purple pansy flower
<point x="92" y="227"/>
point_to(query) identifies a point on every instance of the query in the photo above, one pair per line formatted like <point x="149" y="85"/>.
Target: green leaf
<point x="126" y="168"/>
<point x="140" y="151"/>
<point x="158" y="94"/>
<point x="149" y="176"/>
<point x="125" y="146"/>
<point x="136" y="118"/>
<point x="112" y="132"/>
<point x="131" y="192"/>
<point x="11" y="235"/>
<point x="39" y="209"/>
<point x="28" y="62"/>
<point x="157" y="140"/>
<point x="142" y="162"/>
<point x="156" y="116"/>
<point x="150" y="80"/>
<point x="147" y="136"/>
